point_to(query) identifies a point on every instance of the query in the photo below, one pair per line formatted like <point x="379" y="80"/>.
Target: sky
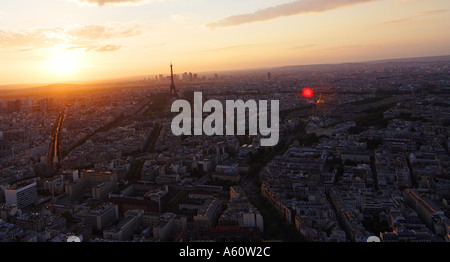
<point x="50" y="41"/>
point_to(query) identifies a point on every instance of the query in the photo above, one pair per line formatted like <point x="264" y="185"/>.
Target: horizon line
<point x="128" y="78"/>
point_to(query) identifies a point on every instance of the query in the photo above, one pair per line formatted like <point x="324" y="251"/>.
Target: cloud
<point x="305" y="46"/>
<point x="229" y="48"/>
<point x="402" y="2"/>
<point x="36" y="38"/>
<point x="97" y="32"/>
<point x="112" y="2"/>
<point x="89" y="37"/>
<point x="427" y="13"/>
<point x="87" y="47"/>
<point x="26" y="50"/>
<point x="297" y="7"/>
<point x="96" y="48"/>
<point x="107" y="48"/>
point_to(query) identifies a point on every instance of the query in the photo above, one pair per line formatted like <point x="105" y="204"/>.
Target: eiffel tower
<point x="173" y="91"/>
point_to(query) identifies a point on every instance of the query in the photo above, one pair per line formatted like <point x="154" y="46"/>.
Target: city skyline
<point x="364" y="154"/>
<point x="83" y="40"/>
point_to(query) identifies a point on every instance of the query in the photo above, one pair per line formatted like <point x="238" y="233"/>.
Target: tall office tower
<point x="173" y="90"/>
<point x="185" y="76"/>
<point x="27" y="102"/>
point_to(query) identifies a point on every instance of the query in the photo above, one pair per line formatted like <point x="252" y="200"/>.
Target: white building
<point x="21" y="194"/>
<point x="252" y="219"/>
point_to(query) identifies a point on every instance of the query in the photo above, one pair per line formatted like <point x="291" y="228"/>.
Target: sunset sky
<point x="47" y="41"/>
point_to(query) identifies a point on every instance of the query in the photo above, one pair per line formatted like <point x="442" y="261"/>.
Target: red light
<point x="307" y="92"/>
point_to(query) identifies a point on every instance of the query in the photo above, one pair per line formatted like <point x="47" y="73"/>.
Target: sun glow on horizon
<point x="63" y="65"/>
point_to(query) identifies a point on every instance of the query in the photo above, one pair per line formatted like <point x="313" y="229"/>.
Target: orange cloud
<point x="38" y="37"/>
<point x="427" y="13"/>
<point x="96" y="48"/>
<point x="111" y="2"/>
<point x="89" y="37"/>
<point x="289" y="9"/>
<point x="107" y="48"/>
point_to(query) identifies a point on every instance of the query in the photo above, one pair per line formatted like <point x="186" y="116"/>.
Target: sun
<point x="63" y="65"/>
